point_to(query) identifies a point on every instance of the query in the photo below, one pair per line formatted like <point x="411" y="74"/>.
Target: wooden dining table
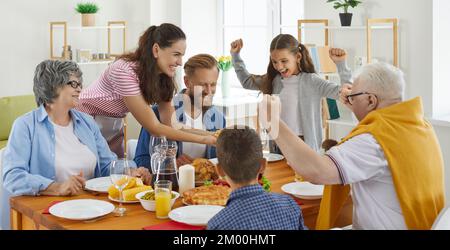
<point x="27" y="211"/>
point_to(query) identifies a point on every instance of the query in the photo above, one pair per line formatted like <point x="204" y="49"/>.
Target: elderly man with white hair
<point x="392" y="158"/>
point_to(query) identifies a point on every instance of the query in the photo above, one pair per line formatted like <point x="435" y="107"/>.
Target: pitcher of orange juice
<point x="163" y="195"/>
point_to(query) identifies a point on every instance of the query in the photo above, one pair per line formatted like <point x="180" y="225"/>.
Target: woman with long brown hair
<point x="292" y="76"/>
<point x="137" y="80"/>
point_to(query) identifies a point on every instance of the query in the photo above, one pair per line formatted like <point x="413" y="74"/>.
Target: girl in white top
<point x="292" y="76"/>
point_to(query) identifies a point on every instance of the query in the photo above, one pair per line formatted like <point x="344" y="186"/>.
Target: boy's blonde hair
<point x="200" y="61"/>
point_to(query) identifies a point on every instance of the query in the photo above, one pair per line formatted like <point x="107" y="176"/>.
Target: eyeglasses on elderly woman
<point x="75" y="84"/>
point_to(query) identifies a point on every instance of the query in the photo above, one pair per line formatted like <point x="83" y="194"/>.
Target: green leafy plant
<point x="344" y="4"/>
<point x="87" y="8"/>
<point x="265" y="184"/>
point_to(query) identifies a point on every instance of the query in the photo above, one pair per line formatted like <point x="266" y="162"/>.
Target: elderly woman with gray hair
<point x="53" y="149"/>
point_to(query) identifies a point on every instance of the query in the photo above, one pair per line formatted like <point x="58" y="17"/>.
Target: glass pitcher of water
<point x="164" y="163"/>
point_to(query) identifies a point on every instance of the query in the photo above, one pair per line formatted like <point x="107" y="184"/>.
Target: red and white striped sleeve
<point x="124" y="79"/>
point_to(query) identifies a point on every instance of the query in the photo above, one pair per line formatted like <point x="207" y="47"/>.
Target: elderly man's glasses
<point x="350" y="97"/>
<point x="75" y="84"/>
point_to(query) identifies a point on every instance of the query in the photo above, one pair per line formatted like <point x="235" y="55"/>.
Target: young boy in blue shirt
<point x="249" y="207"/>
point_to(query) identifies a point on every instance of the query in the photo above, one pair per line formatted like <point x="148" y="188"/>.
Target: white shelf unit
<point x="371" y="24"/>
<point x="95" y="62"/>
<point x="81" y="28"/>
<point x="379" y="27"/>
<point x="112" y="25"/>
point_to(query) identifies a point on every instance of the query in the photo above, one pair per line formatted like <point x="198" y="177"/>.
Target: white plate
<point x="99" y="184"/>
<point x="214" y="161"/>
<point x="197" y="215"/>
<point x="82" y="209"/>
<point x="125" y="202"/>
<point x="271" y="157"/>
<point x="304" y="190"/>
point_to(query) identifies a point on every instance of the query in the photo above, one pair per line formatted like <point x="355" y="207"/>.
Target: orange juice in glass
<point x="163" y="195"/>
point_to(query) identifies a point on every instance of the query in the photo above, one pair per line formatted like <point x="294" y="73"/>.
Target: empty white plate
<point x="304" y="190"/>
<point x="271" y="157"/>
<point x="214" y="161"/>
<point x="197" y="215"/>
<point x="82" y="209"/>
<point x="99" y="184"/>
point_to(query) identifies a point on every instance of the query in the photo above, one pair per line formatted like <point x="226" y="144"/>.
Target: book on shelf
<point x="321" y="59"/>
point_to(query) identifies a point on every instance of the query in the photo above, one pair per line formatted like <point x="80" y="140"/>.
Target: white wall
<point x="165" y="11"/>
<point x="441" y="55"/>
<point x="199" y="22"/>
<point x="415" y="37"/>
<point x="25" y="37"/>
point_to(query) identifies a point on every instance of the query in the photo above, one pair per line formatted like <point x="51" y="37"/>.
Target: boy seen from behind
<point x="249" y="207"/>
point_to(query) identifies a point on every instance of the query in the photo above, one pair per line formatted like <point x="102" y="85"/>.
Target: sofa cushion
<point x="12" y="107"/>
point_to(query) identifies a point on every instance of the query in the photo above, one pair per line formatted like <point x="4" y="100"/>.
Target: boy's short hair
<point x="239" y="152"/>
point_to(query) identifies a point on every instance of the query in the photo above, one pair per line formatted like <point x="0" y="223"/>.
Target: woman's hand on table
<point x="142" y="173"/>
<point x="72" y="186"/>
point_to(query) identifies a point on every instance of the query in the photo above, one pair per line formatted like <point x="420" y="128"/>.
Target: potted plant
<point x="346" y="18"/>
<point x="87" y="11"/>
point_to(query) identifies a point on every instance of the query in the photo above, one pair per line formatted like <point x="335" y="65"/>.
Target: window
<point x="256" y="22"/>
<point x="441" y="64"/>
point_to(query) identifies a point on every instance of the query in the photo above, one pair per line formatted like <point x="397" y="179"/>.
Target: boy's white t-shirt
<point x="71" y="156"/>
<point x="290" y="113"/>
<point x="194" y="150"/>
<point x="361" y="163"/>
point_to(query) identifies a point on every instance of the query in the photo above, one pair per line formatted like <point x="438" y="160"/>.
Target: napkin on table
<point x="46" y="211"/>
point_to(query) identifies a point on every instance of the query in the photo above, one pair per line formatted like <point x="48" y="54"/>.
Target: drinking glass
<point x="120" y="174"/>
<point x="163" y="195"/>
<point x="265" y="142"/>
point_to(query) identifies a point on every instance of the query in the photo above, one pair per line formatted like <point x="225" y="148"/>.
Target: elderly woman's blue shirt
<point x="29" y="158"/>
